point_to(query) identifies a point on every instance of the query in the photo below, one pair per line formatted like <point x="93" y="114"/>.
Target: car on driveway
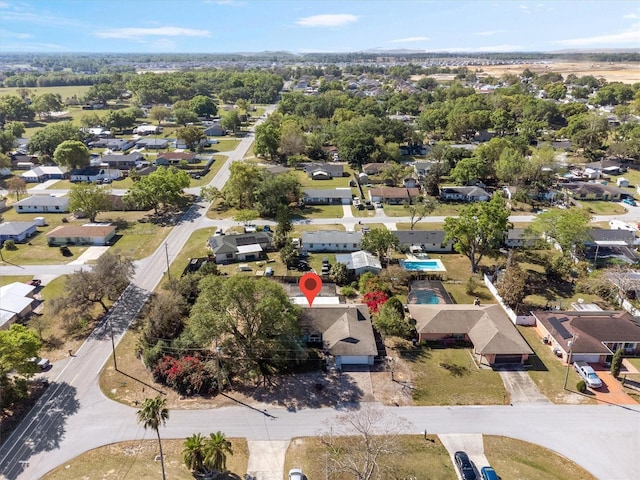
<point x="296" y="474"/>
<point x="42" y="363"/>
<point x="465" y="466"/>
<point x="588" y="374"/>
<point x="488" y="473"/>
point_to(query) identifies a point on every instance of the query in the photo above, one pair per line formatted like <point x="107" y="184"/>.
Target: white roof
<point x="253" y="248"/>
<point x="6" y="317"/>
<point x="316" y="301"/>
<point x="17" y="288"/>
<point x="359" y="259"/>
<point x="14" y="303"/>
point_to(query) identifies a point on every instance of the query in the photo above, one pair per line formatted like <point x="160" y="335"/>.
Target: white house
<point x="16" y="300"/>
<point x="360" y="262"/>
<point x="147" y="130"/>
<point x="42" y="204"/>
<point x="93" y="174"/>
<point x="42" y="174"/>
<point x="331" y="241"/>
<point x="327" y="196"/>
<point x="16" y="231"/>
<point x="88" y="234"/>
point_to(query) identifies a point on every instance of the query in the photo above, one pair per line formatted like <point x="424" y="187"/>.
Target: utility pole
<point x="570" y="344"/>
<point x="166" y="252"/>
<point x="113" y="345"/>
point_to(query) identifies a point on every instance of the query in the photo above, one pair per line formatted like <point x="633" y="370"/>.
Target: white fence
<point x="517" y="319"/>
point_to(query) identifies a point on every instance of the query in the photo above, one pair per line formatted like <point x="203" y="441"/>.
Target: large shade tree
<point x="568" y="228"/>
<point x="72" y="154"/>
<point x="479" y="230"/>
<point x="164" y="187"/>
<point x="251" y="320"/>
<point x="90" y="199"/>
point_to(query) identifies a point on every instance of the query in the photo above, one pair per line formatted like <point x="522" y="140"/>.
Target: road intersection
<point x="74" y="416"/>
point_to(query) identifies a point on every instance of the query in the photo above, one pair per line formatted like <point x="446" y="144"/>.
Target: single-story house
<point x="123" y="162"/>
<point x="43" y="173"/>
<point x="360" y="262"/>
<point x="42" y="204"/>
<point x="393" y="195"/>
<point x="423" y="167"/>
<point x="93" y="174"/>
<point x="16" y="231"/>
<point x="240" y="247"/>
<point x="605" y="245"/>
<point x="5" y="172"/>
<point x="88" y="234"/>
<point x="464" y="194"/>
<point x="426" y="240"/>
<point x="374" y="168"/>
<point x="147" y="129"/>
<point x="174" y="158"/>
<point x="595" y="336"/>
<point x="593" y="191"/>
<point x="114" y="144"/>
<point x="519" y="238"/>
<point x="215" y="130"/>
<point x="17" y="301"/>
<point x="152" y="143"/>
<point x="603" y="236"/>
<point x="327" y="196"/>
<point x="324" y="171"/>
<point x="409" y="182"/>
<point x="343" y="331"/>
<point x="331" y="241"/>
<point x="494" y="337"/>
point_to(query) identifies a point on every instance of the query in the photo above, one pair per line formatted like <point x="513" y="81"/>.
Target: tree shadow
<point x="40" y="431"/>
<point x="306" y="390"/>
<point x="415" y="354"/>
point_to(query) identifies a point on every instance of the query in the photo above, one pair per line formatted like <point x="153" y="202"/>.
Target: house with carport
<point x="495" y="338"/>
<point x="240" y="247"/>
<point x="42" y="204"/>
<point x="344" y="333"/>
<point x="590" y="336"/>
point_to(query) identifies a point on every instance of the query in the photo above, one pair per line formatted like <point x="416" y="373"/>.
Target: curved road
<point x="74" y="416"/>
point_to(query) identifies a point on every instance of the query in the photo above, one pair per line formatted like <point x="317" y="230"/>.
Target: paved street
<point x="74" y="416"/>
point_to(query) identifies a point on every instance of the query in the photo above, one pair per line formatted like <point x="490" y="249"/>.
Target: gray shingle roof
<point x="328" y="193"/>
<point x="230" y="243"/>
<point x="15" y="228"/>
<point x="41" y="200"/>
<point x="331" y="236"/>
<point x="419" y="237"/>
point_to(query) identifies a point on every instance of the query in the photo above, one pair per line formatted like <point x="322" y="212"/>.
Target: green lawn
<point x="307" y="182"/>
<point x="298" y="228"/>
<point x="515" y="459"/>
<point x="602" y="207"/>
<point x="633" y="361"/>
<point x="320" y="211"/>
<point x="63" y="91"/>
<point x="462" y="383"/>
<point x="6" y="280"/>
<point x="215" y="168"/>
<point x="442" y="209"/>
<point x="196" y="247"/>
<point x="548" y="371"/>
<point x="421" y="225"/>
<point x="420" y="458"/>
<point x="136" y="460"/>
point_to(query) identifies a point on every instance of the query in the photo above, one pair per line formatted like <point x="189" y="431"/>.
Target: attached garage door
<point x="585" y="358"/>
<point x="508" y="359"/>
<point x="354" y="360"/>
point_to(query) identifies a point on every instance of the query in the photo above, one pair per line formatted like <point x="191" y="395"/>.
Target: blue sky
<point x="298" y="26"/>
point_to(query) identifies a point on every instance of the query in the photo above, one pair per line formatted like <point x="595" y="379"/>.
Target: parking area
<point x="612" y="391"/>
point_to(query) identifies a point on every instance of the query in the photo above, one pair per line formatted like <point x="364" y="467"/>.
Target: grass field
<point x="603" y="208"/>
<point x="518" y="460"/>
<point x="6" y="280"/>
<point x="64" y="92"/>
<point x="461" y="383"/>
<point x="419" y="459"/>
<point x="135" y="460"/>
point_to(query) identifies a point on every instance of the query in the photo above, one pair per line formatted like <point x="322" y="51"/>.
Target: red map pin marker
<point x="310" y="284"/>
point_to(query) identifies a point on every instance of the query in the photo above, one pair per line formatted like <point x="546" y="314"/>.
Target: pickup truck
<point x="587" y="373"/>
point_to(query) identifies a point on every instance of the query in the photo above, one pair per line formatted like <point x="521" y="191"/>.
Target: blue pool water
<point x="423" y="297"/>
<point x="423" y="265"/>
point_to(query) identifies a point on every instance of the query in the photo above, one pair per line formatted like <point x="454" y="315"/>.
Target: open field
<point x="136" y="460"/>
<point x="64" y="91"/>
<point x="612" y="72"/>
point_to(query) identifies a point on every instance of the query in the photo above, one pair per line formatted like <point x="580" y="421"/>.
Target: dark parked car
<point x="465" y="467"/>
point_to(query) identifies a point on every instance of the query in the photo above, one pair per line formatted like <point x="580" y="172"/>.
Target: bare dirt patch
<point x="612" y="72"/>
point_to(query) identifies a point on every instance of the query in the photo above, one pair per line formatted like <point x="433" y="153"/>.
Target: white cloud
<point x="631" y="16"/>
<point x="488" y="48"/>
<point x="631" y="36"/>
<point x="330" y="20"/>
<point x="138" y="32"/>
<point x="489" y="33"/>
<point x="409" y="39"/>
<point x="525" y="9"/>
<point x="16" y="35"/>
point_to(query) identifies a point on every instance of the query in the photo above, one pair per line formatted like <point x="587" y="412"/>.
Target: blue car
<point x="489" y="473"/>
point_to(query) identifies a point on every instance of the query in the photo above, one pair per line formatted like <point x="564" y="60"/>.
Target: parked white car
<point x="296" y="474"/>
<point x="588" y="374"/>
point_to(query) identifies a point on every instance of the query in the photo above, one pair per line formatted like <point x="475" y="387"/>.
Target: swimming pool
<point x="424" y="297"/>
<point x="423" y="265"/>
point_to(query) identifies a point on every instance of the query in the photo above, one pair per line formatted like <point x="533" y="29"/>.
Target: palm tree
<point x="154" y="413"/>
<point x="194" y="452"/>
<point x="217" y="448"/>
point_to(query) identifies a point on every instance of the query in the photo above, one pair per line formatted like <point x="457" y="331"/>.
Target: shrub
<point x="374" y="300"/>
<point x="581" y="386"/>
<point x="187" y="375"/>
<point x="616" y="363"/>
<point x="471" y="285"/>
<point x="10" y="245"/>
<point x="348" y="292"/>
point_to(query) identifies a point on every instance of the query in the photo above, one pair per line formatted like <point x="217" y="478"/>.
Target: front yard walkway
<point x="91" y="253"/>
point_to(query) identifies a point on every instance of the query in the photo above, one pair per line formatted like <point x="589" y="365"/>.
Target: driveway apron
<point x="521" y="388"/>
<point x="266" y="459"/>
<point x="471" y="443"/>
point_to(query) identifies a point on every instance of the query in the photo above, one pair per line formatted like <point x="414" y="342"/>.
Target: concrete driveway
<point x="520" y="386"/>
<point x="470" y="443"/>
<point x="266" y="459"/>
